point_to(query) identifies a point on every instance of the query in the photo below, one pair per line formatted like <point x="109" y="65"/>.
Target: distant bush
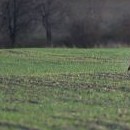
<point x="83" y="34"/>
<point x="120" y="31"/>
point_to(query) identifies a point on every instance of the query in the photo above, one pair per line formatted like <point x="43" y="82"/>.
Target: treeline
<point x="55" y="23"/>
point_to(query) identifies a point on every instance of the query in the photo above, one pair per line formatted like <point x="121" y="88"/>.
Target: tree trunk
<point x="13" y="40"/>
<point x="49" y="36"/>
<point x="48" y="30"/>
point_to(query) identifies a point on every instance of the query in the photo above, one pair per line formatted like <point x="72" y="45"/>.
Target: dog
<point x="129" y="68"/>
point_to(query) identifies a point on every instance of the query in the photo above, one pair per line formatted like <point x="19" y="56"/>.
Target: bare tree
<point x="51" y="13"/>
<point x="15" y="17"/>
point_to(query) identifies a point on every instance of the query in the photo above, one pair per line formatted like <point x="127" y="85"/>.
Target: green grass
<point x="64" y="89"/>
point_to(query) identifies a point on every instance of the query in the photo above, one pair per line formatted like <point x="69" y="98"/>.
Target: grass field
<point x="64" y="89"/>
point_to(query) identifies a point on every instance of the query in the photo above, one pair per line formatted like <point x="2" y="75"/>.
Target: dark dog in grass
<point x="129" y="68"/>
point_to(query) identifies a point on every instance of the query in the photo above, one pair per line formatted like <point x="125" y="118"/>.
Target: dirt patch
<point x="96" y="124"/>
<point x="9" y="109"/>
<point x="22" y="101"/>
<point x="67" y="81"/>
<point x="16" y="126"/>
<point x="14" y="52"/>
<point x="114" y="76"/>
<point x="109" y="125"/>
